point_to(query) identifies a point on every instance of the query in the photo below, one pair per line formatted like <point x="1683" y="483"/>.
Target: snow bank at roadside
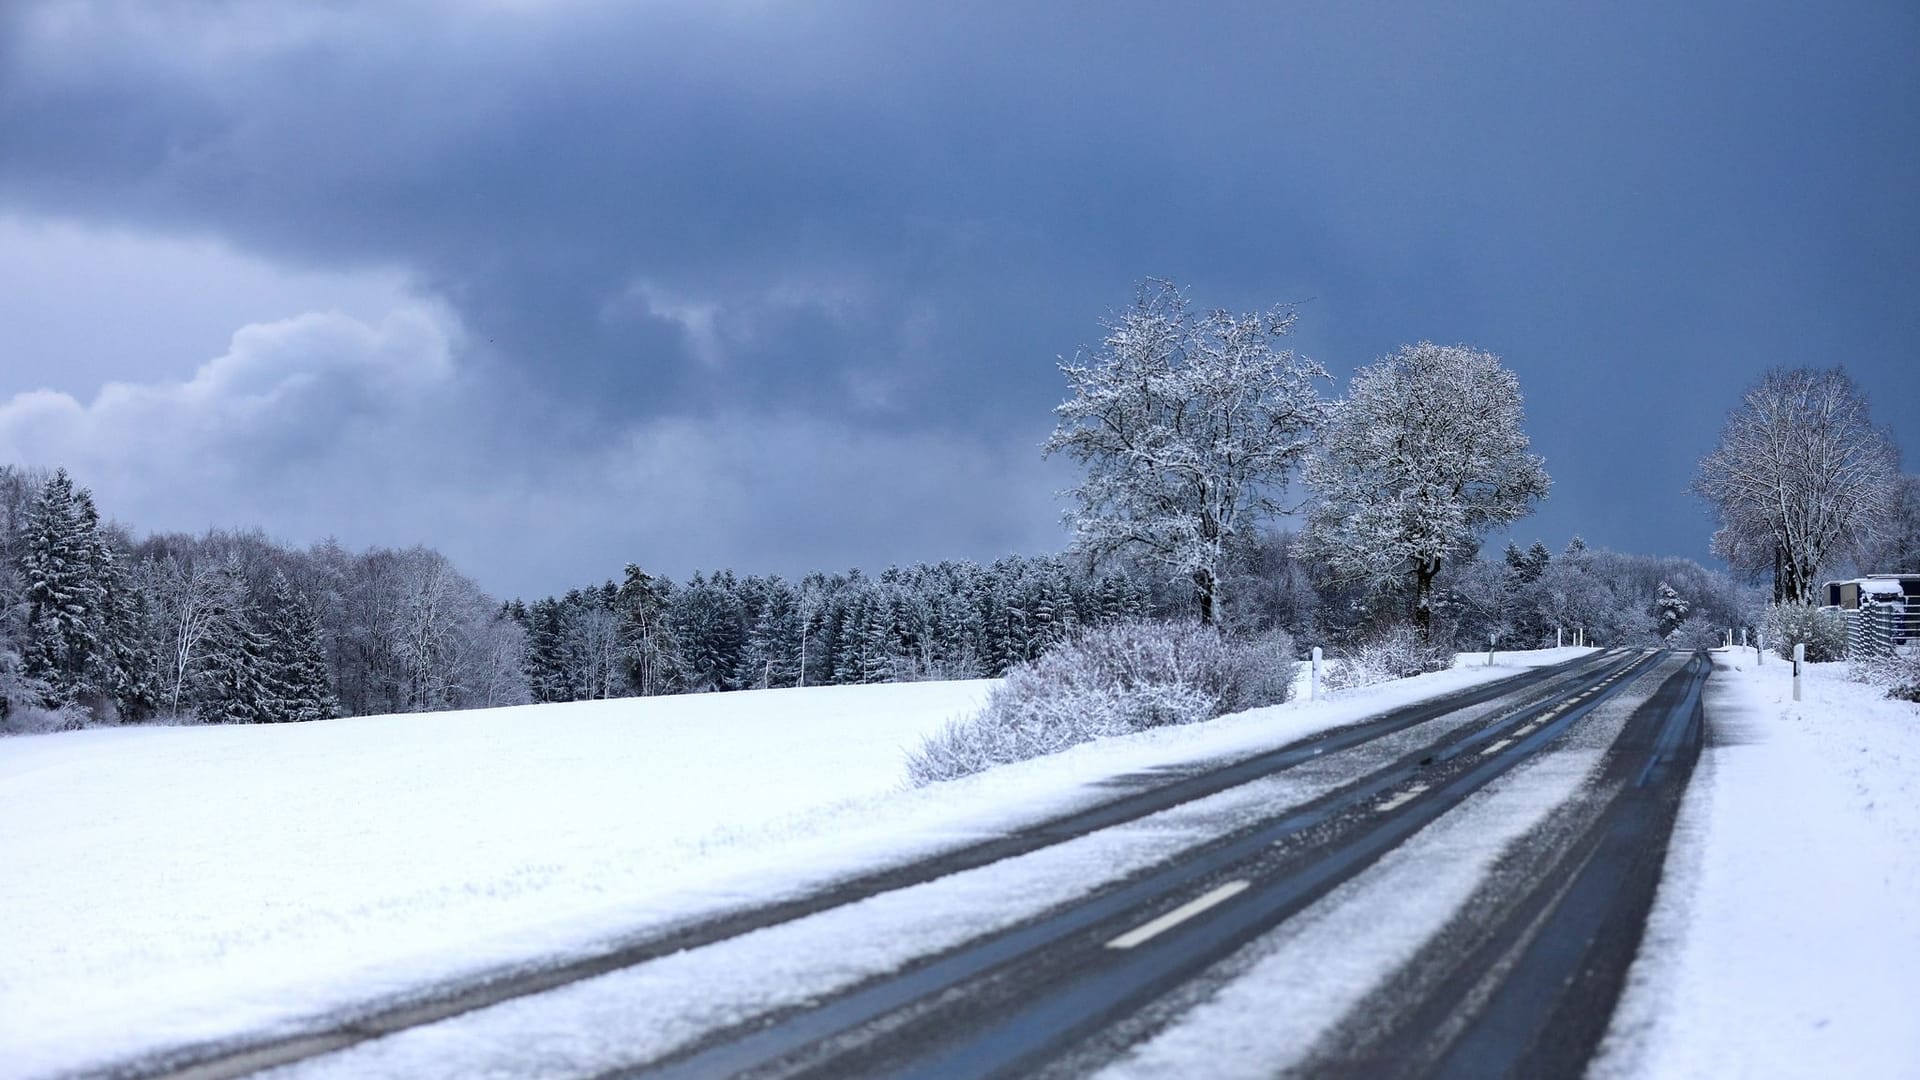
<point x="166" y="885"/>
<point x="1786" y="938"/>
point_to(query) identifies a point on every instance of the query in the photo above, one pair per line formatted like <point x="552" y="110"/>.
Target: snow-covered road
<point x="1786" y="939"/>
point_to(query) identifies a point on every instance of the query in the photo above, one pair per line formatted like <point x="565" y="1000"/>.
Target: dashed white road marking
<point x="1149" y="931"/>
<point x="1403" y="798"/>
<point x="1496" y="748"/>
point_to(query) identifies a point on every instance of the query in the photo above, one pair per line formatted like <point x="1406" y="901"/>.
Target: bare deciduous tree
<point x="1800" y="479"/>
<point x="1187" y="427"/>
<point x="192" y="597"/>
<point x="1426" y="454"/>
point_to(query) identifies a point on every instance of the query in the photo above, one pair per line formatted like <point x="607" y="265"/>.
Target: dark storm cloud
<point x="892" y="217"/>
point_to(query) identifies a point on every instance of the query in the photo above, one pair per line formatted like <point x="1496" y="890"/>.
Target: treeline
<point x="1525" y="598"/>
<point x="98" y="627"/>
<point x="228" y="627"/>
<point x="719" y="631"/>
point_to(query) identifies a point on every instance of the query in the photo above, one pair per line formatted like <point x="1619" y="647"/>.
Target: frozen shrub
<point x="1696" y="633"/>
<point x="1898" y="673"/>
<point x="1116" y="679"/>
<point x="1394" y="653"/>
<point x="21" y="698"/>
<point x="1822" y="630"/>
<point x="39" y="720"/>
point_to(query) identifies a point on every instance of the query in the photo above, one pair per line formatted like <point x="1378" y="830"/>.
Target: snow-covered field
<point x="164" y="885"/>
<point x="1786" y="938"/>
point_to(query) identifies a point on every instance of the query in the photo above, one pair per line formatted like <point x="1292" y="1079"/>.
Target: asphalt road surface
<point x="1521" y="981"/>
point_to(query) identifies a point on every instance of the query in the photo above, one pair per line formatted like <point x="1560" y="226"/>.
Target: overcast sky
<point x="557" y="286"/>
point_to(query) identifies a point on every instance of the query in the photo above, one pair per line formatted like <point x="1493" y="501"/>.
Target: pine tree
<point x="133" y="637"/>
<point x="1669" y="610"/>
<point x="126" y="667"/>
<point x="231" y="684"/>
<point x="652" y="654"/>
<point x="295" y="663"/>
<point x="65" y="598"/>
<point x="706" y="621"/>
<point x="546" y="652"/>
<point x="772" y="656"/>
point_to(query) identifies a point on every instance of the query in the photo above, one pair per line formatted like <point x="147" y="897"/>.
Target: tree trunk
<point x="1423" y="574"/>
<point x="1203" y="591"/>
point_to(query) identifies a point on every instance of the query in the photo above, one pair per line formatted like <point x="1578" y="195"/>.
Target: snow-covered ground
<point x="1785" y="941"/>
<point x="165" y="885"/>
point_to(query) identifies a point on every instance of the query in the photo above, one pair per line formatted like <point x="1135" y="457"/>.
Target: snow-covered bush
<point x="1394" y="653"/>
<point x="1898" y="673"/>
<point x="22" y="711"/>
<point x="1822" y="630"/>
<point x="40" y="720"/>
<point x="1119" y="678"/>
<point x="1696" y="632"/>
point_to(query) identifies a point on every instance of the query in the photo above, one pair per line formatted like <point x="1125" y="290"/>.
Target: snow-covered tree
<point x="707" y="620"/>
<point x="653" y="663"/>
<point x="774" y="644"/>
<point x="1427" y="454"/>
<point x="66" y="598"/>
<point x="231" y="683"/>
<point x="295" y="668"/>
<point x="1897" y="551"/>
<point x="1801" y="478"/>
<point x="191" y="597"/>
<point x="1669" y="611"/>
<point x="1188" y="427"/>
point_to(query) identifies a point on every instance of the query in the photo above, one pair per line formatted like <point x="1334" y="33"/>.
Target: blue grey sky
<point x="557" y="286"/>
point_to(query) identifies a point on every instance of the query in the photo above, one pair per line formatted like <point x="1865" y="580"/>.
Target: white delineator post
<point x="1799" y="657"/>
<point x="1490" y="639"/>
<point x="1759" y="647"/>
<point x="1313" y="676"/>
<point x="1557" y="643"/>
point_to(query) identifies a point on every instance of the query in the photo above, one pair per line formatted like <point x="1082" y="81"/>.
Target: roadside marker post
<point x="1313" y="677"/>
<point x="1490" y="639"/>
<point x="1799" y="657"/>
<point x="1759" y="647"/>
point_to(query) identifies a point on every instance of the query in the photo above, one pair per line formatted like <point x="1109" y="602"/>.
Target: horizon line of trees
<point x="231" y="627"/>
<point x="1189" y="426"/>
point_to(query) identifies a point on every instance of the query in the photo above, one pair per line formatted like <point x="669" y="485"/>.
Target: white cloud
<point x="84" y="305"/>
<point x="295" y="412"/>
<point x="371" y="430"/>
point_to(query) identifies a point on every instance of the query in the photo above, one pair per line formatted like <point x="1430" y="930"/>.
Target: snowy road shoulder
<point x="1784" y="941"/>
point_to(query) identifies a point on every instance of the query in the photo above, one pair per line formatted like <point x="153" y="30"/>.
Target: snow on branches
<point x="1187" y="426"/>
<point x="1426" y="454"/>
<point x="1800" y="478"/>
